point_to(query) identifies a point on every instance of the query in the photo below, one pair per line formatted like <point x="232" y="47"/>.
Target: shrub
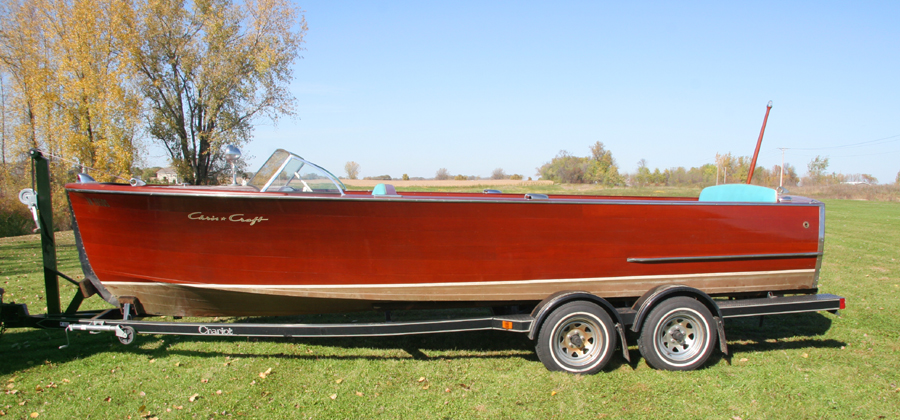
<point x="15" y="223"/>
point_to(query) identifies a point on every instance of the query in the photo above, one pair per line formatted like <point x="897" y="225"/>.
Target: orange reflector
<point x="843" y="305"/>
<point x="507" y="325"/>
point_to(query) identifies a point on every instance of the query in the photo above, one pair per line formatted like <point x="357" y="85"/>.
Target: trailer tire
<point x="578" y="337"/>
<point x="677" y="335"/>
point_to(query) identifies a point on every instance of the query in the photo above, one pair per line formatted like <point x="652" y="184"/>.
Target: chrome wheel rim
<point x="680" y="335"/>
<point x="578" y="341"/>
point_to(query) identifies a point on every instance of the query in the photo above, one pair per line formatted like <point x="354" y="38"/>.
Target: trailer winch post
<point x="41" y="167"/>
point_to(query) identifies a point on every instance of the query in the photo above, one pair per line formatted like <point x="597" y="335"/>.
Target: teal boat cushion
<point x="384" y="189"/>
<point x="741" y="193"/>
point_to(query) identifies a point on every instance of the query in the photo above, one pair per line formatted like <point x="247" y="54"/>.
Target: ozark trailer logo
<point x="198" y="215"/>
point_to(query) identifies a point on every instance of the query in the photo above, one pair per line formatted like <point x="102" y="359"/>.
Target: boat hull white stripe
<point x="461" y="284"/>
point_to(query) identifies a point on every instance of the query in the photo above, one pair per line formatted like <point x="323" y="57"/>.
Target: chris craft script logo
<point x="197" y="215"/>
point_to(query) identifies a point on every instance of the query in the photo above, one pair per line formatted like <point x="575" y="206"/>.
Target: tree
<point x="498" y="174"/>
<point x="3" y="112"/>
<point x="817" y="168"/>
<point x="442" y="174"/>
<point x="565" y="168"/>
<point x="210" y="67"/>
<point x="643" y="175"/>
<point x="657" y="177"/>
<point x="352" y="169"/>
<point x="897" y="181"/>
<point x="602" y="169"/>
<point x="869" y="179"/>
<point x="149" y="173"/>
<point x="599" y="168"/>
<point x="72" y="81"/>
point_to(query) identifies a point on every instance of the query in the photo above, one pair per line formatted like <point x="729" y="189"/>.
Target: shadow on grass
<point x="26" y="348"/>
<point x="777" y="332"/>
<point x="23" y="258"/>
<point x="23" y="349"/>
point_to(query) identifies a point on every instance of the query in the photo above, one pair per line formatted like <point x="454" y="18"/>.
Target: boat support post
<point x="13" y="315"/>
<point x="41" y="167"/>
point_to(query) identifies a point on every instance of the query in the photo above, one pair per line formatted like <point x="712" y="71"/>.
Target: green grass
<point x="794" y="366"/>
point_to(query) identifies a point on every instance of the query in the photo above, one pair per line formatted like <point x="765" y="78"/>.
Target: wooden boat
<point x="296" y="241"/>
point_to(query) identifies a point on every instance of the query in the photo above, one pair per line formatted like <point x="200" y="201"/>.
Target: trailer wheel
<point x="677" y="335"/>
<point x="577" y="337"/>
<point x="129" y="335"/>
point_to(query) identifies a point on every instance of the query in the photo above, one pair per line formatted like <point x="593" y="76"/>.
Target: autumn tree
<point x="66" y="90"/>
<point x="602" y="168"/>
<point x="3" y="115"/>
<point x="208" y="68"/>
<point x="352" y="169"/>
<point x="442" y="174"/>
<point x="817" y="168"/>
<point x="790" y="175"/>
<point x="599" y="168"/>
<point x="643" y="175"/>
<point x="732" y="169"/>
<point x="32" y="96"/>
<point x="73" y="90"/>
<point x="498" y="173"/>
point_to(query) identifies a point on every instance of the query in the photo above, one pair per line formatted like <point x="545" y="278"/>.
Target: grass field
<point x="794" y="366"/>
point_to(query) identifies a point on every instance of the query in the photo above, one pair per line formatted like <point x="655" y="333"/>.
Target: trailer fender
<point x="557" y="299"/>
<point x="654" y="296"/>
<point x="546" y="306"/>
<point x="658" y="294"/>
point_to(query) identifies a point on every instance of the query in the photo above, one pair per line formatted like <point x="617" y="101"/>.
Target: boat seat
<point x="739" y="193"/>
<point x="384" y="190"/>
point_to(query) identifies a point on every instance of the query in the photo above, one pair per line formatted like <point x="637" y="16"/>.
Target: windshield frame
<point x="286" y="159"/>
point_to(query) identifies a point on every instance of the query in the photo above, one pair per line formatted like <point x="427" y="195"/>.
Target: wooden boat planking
<point x="183" y="251"/>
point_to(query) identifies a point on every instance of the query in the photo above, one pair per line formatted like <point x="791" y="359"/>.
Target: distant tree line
<point x="818" y="175"/>
<point x="599" y="168"/>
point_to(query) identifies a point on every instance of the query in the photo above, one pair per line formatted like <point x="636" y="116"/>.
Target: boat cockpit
<point x="287" y="172"/>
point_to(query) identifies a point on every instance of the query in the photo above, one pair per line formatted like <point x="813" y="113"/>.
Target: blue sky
<point x="410" y="87"/>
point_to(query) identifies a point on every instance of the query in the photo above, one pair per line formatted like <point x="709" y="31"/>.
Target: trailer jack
<point x="125" y="334"/>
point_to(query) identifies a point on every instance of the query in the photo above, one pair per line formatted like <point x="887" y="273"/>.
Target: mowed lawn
<point x="793" y="366"/>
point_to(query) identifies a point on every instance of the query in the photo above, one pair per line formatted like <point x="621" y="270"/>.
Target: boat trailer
<point x="576" y="331"/>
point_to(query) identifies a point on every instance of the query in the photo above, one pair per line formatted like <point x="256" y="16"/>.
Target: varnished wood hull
<point x="193" y="251"/>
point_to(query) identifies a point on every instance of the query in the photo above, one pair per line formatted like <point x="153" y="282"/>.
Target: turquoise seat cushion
<point x="384" y="189"/>
<point x="739" y="193"/>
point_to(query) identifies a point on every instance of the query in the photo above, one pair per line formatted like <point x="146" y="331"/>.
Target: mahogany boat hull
<point x="191" y="251"/>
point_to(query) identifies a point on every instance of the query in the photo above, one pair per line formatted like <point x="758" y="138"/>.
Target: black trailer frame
<point x="588" y="309"/>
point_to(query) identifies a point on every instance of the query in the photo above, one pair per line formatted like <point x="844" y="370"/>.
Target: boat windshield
<point x="287" y="172"/>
